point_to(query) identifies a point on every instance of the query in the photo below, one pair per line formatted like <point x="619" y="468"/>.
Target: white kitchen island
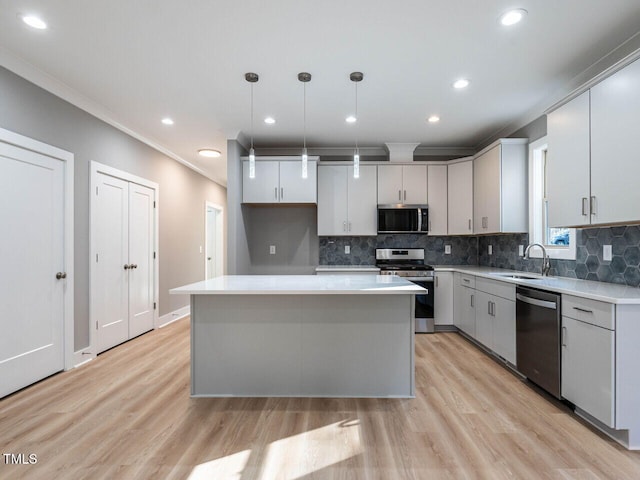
<point x="302" y="336"/>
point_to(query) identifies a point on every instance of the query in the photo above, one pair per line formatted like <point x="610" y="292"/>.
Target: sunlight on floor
<point x="229" y="467"/>
<point x="292" y="457"/>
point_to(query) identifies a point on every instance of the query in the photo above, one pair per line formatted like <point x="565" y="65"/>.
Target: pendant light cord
<point x="304" y="115"/>
<point x="356" y="116"/>
<point x="252" y="115"/>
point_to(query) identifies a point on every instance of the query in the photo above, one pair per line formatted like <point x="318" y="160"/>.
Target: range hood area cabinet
<point x="593" y="160"/>
<point x="347" y="205"/>
<point x="500" y="187"/>
<point x="402" y="184"/>
<point x="279" y="180"/>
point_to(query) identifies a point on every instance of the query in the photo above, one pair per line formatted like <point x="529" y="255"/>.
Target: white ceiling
<point x="135" y="62"/>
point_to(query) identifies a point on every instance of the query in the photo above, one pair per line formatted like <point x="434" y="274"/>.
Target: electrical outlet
<point x="347" y="249"/>
<point x="490" y="250"/>
<point x="607" y="254"/>
<point x="272" y="249"/>
<point x="447" y="249"/>
<point x="521" y="250"/>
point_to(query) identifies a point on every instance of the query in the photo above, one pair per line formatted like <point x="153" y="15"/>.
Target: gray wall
<point x="31" y="111"/>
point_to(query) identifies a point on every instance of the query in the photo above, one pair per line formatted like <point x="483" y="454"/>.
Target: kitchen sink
<point x="516" y="276"/>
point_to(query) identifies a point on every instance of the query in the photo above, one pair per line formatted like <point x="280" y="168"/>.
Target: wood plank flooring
<point x="128" y="415"/>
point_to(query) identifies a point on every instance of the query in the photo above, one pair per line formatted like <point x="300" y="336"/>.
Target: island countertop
<point x="301" y="285"/>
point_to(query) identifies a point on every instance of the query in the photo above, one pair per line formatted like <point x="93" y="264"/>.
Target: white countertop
<point x="605" y="292"/>
<point x="347" y="268"/>
<point x="300" y="285"/>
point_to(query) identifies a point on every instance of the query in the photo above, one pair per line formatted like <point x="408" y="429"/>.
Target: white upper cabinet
<point x="437" y="199"/>
<point x="460" y="198"/>
<point x="347" y="205"/>
<point x="279" y="181"/>
<point x="615" y="147"/>
<point x="568" y="187"/>
<point x="402" y="184"/>
<point x="500" y="187"/>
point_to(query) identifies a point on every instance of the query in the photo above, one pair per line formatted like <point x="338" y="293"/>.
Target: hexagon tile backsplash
<point x="589" y="264"/>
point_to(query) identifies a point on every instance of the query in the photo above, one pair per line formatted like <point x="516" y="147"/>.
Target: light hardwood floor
<point x="128" y="415"/>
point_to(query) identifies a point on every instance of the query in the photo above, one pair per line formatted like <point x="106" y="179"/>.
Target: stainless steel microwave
<point x="401" y="218"/>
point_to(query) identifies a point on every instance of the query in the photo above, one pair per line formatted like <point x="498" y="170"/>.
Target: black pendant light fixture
<point x="356" y="77"/>
<point x="252" y="78"/>
<point x="305" y="78"/>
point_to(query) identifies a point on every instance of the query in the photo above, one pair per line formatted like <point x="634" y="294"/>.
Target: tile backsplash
<point x="589" y="264"/>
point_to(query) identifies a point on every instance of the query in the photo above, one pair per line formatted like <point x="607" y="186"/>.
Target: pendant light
<point x="304" y="77"/>
<point x="252" y="78"/>
<point x="356" y="77"/>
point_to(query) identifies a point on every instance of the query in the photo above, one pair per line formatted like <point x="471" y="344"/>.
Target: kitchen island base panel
<point x="302" y="346"/>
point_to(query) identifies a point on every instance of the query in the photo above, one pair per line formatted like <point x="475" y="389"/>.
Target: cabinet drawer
<point x="467" y="280"/>
<point x="497" y="288"/>
<point x="590" y="311"/>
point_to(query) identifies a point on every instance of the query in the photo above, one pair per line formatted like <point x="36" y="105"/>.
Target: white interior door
<point x="110" y="289"/>
<point x="141" y="272"/>
<point x="32" y="252"/>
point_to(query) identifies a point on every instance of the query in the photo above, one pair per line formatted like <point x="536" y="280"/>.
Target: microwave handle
<point x="419" y="219"/>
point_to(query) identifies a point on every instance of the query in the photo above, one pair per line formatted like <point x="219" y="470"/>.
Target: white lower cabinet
<point x="464" y="311"/>
<point x="588" y="368"/>
<point x="443" y="298"/>
<point x="496" y="317"/>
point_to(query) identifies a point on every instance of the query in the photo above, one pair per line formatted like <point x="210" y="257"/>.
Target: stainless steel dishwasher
<point x="538" y="324"/>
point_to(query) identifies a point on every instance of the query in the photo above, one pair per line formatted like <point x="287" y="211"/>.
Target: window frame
<point x="536" y="226"/>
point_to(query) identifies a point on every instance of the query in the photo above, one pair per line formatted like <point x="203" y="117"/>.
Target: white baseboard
<point x="82" y="356"/>
<point x="171" y="317"/>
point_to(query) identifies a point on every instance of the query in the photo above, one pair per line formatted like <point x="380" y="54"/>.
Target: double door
<point x="123" y="277"/>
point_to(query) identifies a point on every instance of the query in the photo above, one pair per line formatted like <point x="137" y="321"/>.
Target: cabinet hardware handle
<point x="405" y="195"/>
<point x="471" y="301"/>
<point x="344" y="226"/>
<point x="276" y="192"/>
<point x="593" y="205"/>
<point x="61" y="275"/>
<point x="564" y="336"/>
<point x="466" y="280"/>
<point x="399" y="195"/>
<point x="493" y="309"/>
<point x="584" y="206"/>
<point x="582" y="310"/>
<point x="349" y="226"/>
<point x="133" y="265"/>
<point x="281" y="193"/>
<point x="127" y="266"/>
<point x="469" y="224"/>
<point x="489" y="308"/>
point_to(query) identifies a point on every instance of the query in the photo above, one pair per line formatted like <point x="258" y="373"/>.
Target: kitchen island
<point x="302" y="336"/>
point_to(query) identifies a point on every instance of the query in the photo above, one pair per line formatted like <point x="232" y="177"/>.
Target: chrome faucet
<point x="546" y="265"/>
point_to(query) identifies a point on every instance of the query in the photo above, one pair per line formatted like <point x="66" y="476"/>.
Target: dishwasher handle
<point x="537" y="302"/>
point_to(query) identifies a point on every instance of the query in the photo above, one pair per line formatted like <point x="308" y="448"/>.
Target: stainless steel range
<point x="409" y="264"/>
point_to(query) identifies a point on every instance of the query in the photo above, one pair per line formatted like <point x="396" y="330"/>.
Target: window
<point x="559" y="242"/>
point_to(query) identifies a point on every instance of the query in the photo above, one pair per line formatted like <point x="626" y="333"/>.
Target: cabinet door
<point x="464" y="312"/>
<point x="615" y="147"/>
<point x="414" y="184"/>
<point x="332" y="200"/>
<point x="362" y="216"/>
<point x="294" y="188"/>
<point x="487" y="192"/>
<point x="484" y="319"/>
<point x="504" y="328"/>
<point x="568" y="163"/>
<point x="460" y="198"/>
<point x="443" y="301"/>
<point x="437" y="199"/>
<point x="264" y="188"/>
<point x="389" y="184"/>
<point x="588" y="368"/>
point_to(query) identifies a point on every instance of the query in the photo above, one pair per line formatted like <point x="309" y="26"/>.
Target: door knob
<point x="126" y="266"/>
<point x="133" y="265"/>
<point x="208" y="258"/>
<point x="61" y="275"/>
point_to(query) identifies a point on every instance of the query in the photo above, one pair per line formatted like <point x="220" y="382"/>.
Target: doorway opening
<point x="213" y="241"/>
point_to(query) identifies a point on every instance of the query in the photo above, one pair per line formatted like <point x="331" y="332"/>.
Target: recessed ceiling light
<point x="462" y="83"/>
<point x="512" y="16"/>
<point x="269" y="120"/>
<point x="34" y="22"/>
<point x="167" y="121"/>
<point x="433" y="119"/>
<point x="350" y="119"/>
<point x="209" y="153"/>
